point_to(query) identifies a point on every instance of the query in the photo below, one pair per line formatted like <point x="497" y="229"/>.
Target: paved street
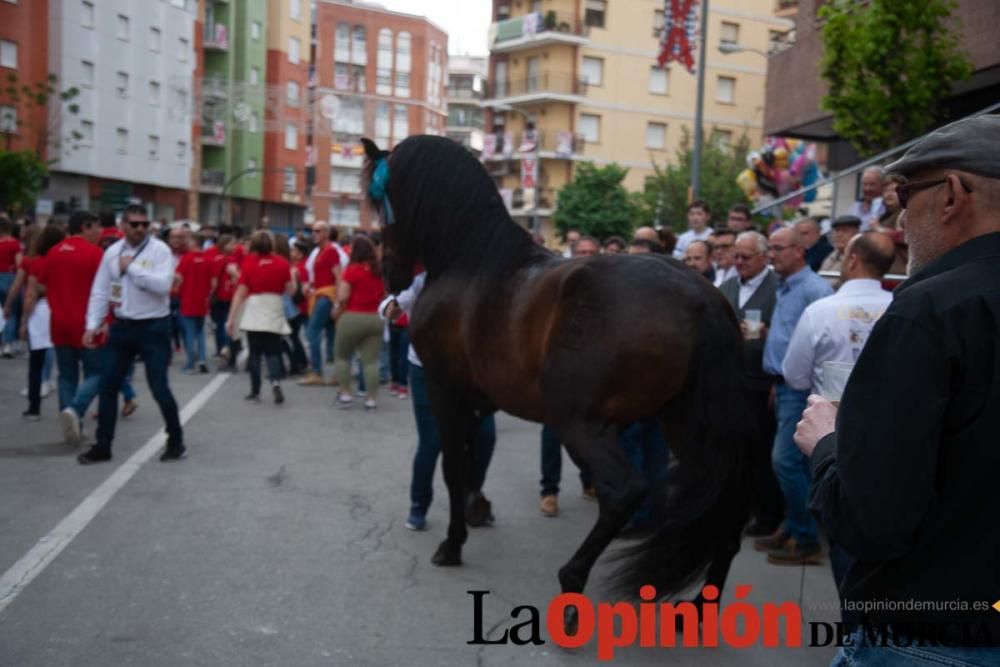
<point x="280" y="541"/>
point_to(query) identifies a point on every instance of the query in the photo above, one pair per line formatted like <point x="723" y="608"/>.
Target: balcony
<point x="535" y="202"/>
<point x="216" y="38"/>
<point x="463" y="95"/>
<point x="214" y="87"/>
<point x="213" y="180"/>
<point x="213" y="133"/>
<point x="537" y="29"/>
<point x="547" y="144"/>
<point x="541" y="87"/>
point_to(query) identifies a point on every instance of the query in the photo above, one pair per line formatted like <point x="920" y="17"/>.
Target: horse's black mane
<point x="454" y="214"/>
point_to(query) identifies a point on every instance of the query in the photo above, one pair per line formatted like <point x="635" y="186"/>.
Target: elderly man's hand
<point x="818" y="421"/>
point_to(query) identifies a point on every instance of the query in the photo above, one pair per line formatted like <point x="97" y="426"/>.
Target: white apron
<point x="265" y="312"/>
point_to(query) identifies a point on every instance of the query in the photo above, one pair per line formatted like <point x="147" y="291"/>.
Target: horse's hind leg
<point x="620" y="490"/>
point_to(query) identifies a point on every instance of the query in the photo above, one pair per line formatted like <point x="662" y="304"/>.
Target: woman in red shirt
<point x="226" y="271"/>
<point x="35" y="321"/>
<point x="264" y="278"/>
<point x="359" y="329"/>
<point x="197" y="282"/>
<point x="300" y="280"/>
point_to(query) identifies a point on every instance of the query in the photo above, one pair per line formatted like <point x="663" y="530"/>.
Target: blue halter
<point x="378" y="189"/>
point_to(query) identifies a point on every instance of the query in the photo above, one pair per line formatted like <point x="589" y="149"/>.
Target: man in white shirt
<point x="871" y="207"/>
<point x="836" y="327"/>
<point x="134" y="281"/>
<point x="698" y="217"/>
<point x="723" y="255"/>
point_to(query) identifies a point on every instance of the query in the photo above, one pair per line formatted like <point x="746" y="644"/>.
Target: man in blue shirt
<point x="796" y="541"/>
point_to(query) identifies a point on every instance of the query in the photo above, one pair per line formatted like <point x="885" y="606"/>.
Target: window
<point x="403" y="42"/>
<point x="659" y="80"/>
<point x="154" y="147"/>
<point x="8" y="119"/>
<point x="291" y="136"/>
<point x="401" y="123"/>
<point x="252" y="123"/>
<point x="382" y="124"/>
<point x="8" y="54"/>
<point x="383" y="81"/>
<point x="657" y="22"/>
<point x="345" y="180"/>
<point x="351" y="117"/>
<point x="254" y="76"/>
<point x="341" y="77"/>
<point x="402" y="84"/>
<point x="593" y="71"/>
<point x="723" y="138"/>
<point x="121" y="84"/>
<point x="730" y="33"/>
<point x="122" y="29"/>
<point x="383" y="73"/>
<point x="255" y="29"/>
<point x="725" y="89"/>
<point x="500" y="79"/>
<point x="183" y="49"/>
<point x="121" y="140"/>
<point x="154" y="93"/>
<point x="342" y="43"/>
<point x="291" y="181"/>
<point x="590" y="128"/>
<point x="182" y="101"/>
<point x="182" y="149"/>
<point x="656" y="135"/>
<point x="87" y="73"/>
<point x="594" y="15"/>
<point x="358" y="78"/>
<point x="87" y="15"/>
<point x="295" y="9"/>
<point x="252" y="165"/>
<point x="154" y="39"/>
<point x="293" y="50"/>
<point x="87" y="132"/>
<point x="292" y="93"/>
<point x="345" y="214"/>
<point x="359" y="46"/>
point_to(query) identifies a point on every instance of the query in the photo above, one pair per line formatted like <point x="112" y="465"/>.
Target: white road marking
<point x="33" y="563"/>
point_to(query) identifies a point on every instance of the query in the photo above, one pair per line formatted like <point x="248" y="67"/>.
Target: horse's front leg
<point x="454" y="420"/>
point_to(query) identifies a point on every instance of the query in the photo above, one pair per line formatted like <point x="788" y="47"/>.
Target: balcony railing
<point x="544" y="198"/>
<point x="213" y="132"/>
<point x="464" y="93"/>
<point x="213" y="178"/>
<point x="544" y="82"/>
<point x="214" y="86"/>
<point x="537" y="24"/>
<point x="216" y="37"/>
<point x="547" y="143"/>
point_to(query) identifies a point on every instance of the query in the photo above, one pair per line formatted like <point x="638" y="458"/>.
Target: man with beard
<point x="904" y="472"/>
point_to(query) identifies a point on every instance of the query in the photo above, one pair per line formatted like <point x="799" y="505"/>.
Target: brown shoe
<point x="774" y="542"/>
<point x="312" y="380"/>
<point x="129" y="408"/>
<point x="549" y="506"/>
<point x="590" y="493"/>
<point x="794" y="553"/>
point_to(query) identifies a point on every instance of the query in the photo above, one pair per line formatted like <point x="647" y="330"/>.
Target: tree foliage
<point x="889" y="63"/>
<point x="596" y="202"/>
<point x="21" y="178"/>
<point x="663" y="202"/>
<point x="42" y="104"/>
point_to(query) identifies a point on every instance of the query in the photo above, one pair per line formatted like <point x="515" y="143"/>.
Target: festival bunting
<point x="680" y="32"/>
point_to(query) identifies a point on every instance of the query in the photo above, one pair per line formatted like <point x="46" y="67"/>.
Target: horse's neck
<point x="492" y="256"/>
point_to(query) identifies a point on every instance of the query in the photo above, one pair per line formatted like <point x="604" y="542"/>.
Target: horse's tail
<point x="704" y="506"/>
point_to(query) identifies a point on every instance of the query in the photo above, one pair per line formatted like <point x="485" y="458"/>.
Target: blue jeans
<point x="552" y="463"/>
<point x="319" y="322"/>
<point x="90" y="388"/>
<point x="399" y="345"/>
<point x="220" y="313"/>
<point x="150" y="339"/>
<point x="429" y="445"/>
<point x="647" y="451"/>
<point x="10" y="326"/>
<point x="50" y="360"/>
<point x="861" y="654"/>
<point x="73" y="393"/>
<point x="194" y="340"/>
<point x="791" y="466"/>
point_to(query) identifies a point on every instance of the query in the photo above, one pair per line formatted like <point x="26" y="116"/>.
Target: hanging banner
<point x="489" y="146"/>
<point x="508" y="145"/>
<point x="529" y="172"/>
<point x="680" y="33"/>
<point x="564" y="144"/>
<point x="529" y="141"/>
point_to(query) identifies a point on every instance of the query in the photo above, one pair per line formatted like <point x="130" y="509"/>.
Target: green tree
<point x="596" y="202"/>
<point x="664" y="199"/>
<point x="21" y="177"/>
<point x="889" y="63"/>
<point x="41" y="103"/>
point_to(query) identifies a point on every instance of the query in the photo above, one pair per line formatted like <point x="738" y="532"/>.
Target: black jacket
<point x="763" y="299"/>
<point x="910" y="482"/>
<point x="816" y="254"/>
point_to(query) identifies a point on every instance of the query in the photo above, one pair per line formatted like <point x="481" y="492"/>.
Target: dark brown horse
<point x="587" y="346"/>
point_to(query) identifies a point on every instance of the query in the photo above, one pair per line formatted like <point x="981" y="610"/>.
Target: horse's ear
<point x="371" y="150"/>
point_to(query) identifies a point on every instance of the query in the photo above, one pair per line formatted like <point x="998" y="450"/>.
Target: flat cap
<point x="970" y="144"/>
<point x="846" y="221"/>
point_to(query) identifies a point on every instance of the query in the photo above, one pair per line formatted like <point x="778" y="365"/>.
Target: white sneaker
<point x="70" y="422"/>
<point x="7" y="352"/>
<point x="46" y="389"/>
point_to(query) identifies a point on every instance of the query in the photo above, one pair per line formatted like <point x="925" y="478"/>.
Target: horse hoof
<point x="447" y="555"/>
<point x="571" y="621"/>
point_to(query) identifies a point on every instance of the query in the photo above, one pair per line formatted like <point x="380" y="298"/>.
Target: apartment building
<point x="577" y="81"/>
<point x="24" y="55"/>
<point x="380" y="74"/>
<point x="133" y="63"/>
<point x="466" y="87"/>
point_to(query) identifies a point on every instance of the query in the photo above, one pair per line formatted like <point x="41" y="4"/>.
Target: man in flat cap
<point x="905" y="472"/>
<point x="844" y="229"/>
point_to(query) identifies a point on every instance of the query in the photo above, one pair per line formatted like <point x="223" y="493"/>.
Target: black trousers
<point x="268" y="345"/>
<point x="150" y="339"/>
<point x="770" y="507"/>
<point x="36" y="361"/>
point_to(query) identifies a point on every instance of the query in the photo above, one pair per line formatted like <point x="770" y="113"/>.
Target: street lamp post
<point x="700" y="103"/>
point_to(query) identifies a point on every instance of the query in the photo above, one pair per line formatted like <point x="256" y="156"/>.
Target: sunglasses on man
<point x="136" y="224"/>
<point x="904" y="190"/>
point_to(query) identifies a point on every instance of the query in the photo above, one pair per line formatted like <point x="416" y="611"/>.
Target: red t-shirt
<point x="367" y="289"/>
<point x="226" y="286"/>
<point x="9" y="247"/>
<point x="303" y="275"/>
<point x="196" y="272"/>
<point x="327" y="259"/>
<point x="37" y="267"/>
<point x="112" y="232"/>
<point x="72" y="265"/>
<point x="265" y="274"/>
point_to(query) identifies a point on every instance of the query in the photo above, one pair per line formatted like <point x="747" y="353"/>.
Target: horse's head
<point x="398" y="256"/>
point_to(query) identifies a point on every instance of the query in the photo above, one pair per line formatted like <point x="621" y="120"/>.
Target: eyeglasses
<point x="780" y="248"/>
<point x="722" y="246"/>
<point x="744" y="257"/>
<point x="904" y="190"/>
<point x="136" y="224"/>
